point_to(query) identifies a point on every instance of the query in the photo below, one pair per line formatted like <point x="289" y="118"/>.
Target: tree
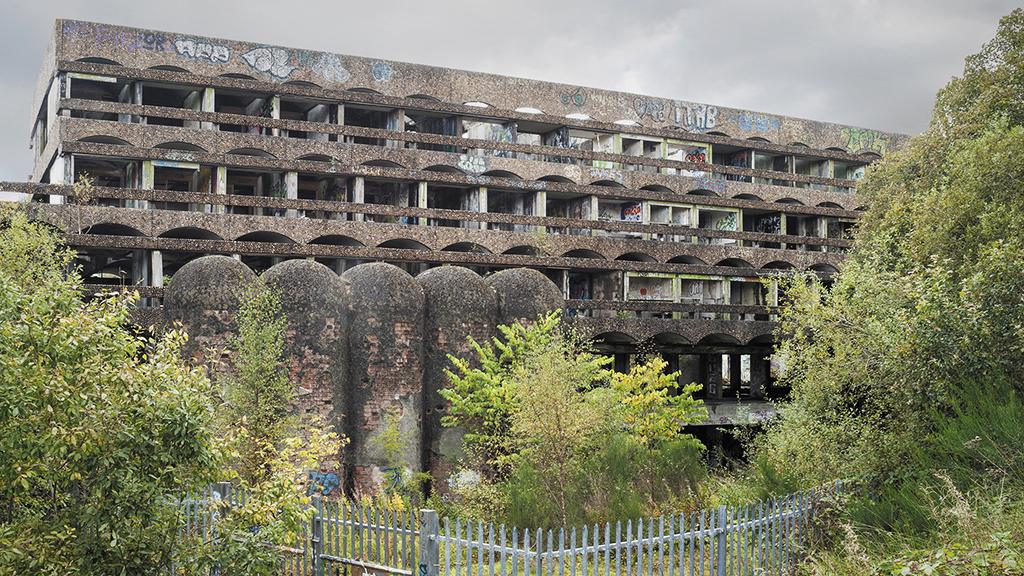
<point x="101" y="428"/>
<point x="557" y="438"/>
<point x="906" y="369"/>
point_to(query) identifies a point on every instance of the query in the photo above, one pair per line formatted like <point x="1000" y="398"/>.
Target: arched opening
<point x="471" y="247"/>
<point x="523" y="250"/>
<point x="636" y="257"/>
<point x="260" y="263"/>
<point x="687" y="259"/>
<point x="404" y="244"/>
<point x="99" y="139"/>
<point x="177" y="145"/>
<point x="252" y="152"/>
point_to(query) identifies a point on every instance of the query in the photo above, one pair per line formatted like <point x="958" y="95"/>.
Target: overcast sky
<point x="870" y="63"/>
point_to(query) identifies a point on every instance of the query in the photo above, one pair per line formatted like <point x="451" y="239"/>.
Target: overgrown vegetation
<point x="554" y="438"/>
<point x="104" y="430"/>
<point x="906" y="374"/>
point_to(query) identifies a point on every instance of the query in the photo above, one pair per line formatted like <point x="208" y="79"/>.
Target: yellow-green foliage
<point x="556" y="438"/>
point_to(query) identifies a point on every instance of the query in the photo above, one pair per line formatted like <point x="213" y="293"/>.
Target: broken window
<point x="509" y="202"/>
<point x="310" y="111"/>
<point x="774" y="162"/>
<point x="258" y="183"/>
<point x="671" y="214"/>
<point x="723" y="219"/>
<point x="366" y="117"/>
<point x="644" y="146"/>
<point x="172" y="96"/>
<point x="103" y="89"/>
<point x="490" y="130"/>
<point x="446" y="197"/>
<point x="695" y="152"/>
<point x="246" y="104"/>
<point x="432" y="123"/>
<point x="181" y="177"/>
<point x="108" y="172"/>
<point x="320" y="187"/>
<point x="389" y="193"/>
<point x="762" y="222"/>
<point x="733" y="156"/>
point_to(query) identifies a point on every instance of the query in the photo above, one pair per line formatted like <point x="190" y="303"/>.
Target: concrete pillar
<point x="291" y="191"/>
<point x="220" y="186"/>
<point x="358" y="196"/>
<point x="148" y="181"/>
<point x="712" y="375"/>
<point x="735" y="374"/>
<point x="482" y="205"/>
<point x="275" y="112"/>
<point x="540" y="206"/>
<point x="396" y="123"/>
<point x="208" y="105"/>
<point x="759" y="365"/>
<point x="156" y="268"/>
<point x="421" y="199"/>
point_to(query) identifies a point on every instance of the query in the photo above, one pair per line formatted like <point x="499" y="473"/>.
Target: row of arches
<point x="497" y="173"/>
<point x="195" y="233"/>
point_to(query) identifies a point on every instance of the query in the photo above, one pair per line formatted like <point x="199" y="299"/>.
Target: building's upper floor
<point x="129" y="75"/>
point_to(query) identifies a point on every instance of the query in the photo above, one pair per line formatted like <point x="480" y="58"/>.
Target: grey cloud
<point x="868" y="63"/>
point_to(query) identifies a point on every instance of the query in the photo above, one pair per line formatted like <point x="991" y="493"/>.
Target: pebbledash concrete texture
<point x="401" y="208"/>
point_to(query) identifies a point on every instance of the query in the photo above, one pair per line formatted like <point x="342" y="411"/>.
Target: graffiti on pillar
<point x="382" y="71"/>
<point x="858" y="139"/>
<point x="649" y="108"/>
<point x="753" y="122"/>
<point x="695" y="117"/>
<point x="577" y="97"/>
<point x="323" y="483"/>
<point x="198" y="50"/>
<point x="273" y="61"/>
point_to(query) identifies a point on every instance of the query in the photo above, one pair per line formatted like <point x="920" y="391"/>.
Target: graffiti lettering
<point x="858" y="139"/>
<point x="382" y="71"/>
<point x="697" y="155"/>
<point x="202" y="50"/>
<point x="718" y="186"/>
<point x="473" y="164"/>
<point x="274" y="61"/>
<point x="577" y="97"/>
<point x="751" y="122"/>
<point x="653" y="109"/>
<point x="696" y="117"/>
<point x="329" y="67"/>
<point x="607" y="174"/>
<point x="153" y="41"/>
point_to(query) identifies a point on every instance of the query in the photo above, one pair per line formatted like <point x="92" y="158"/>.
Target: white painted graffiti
<point x="274" y="61"/>
<point x="472" y="164"/>
<point x="646" y="108"/>
<point x="607" y="174"/>
<point x="329" y="67"/>
<point x="696" y="117"/>
<point x="197" y="50"/>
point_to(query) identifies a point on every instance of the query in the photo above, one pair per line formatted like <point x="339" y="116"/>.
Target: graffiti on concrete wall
<point x="705" y="183"/>
<point x="607" y="174"/>
<point x="322" y="483"/>
<point x="695" y="117"/>
<point x="753" y="122"/>
<point x="577" y="97"/>
<point x="649" y="108"/>
<point x="199" y="50"/>
<point x="473" y="164"/>
<point x="273" y="61"/>
<point x="382" y="71"/>
<point x="858" y="139"/>
<point x="154" y="41"/>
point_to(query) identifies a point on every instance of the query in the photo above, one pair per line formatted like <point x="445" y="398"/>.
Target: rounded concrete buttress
<point x="459" y="304"/>
<point x="204" y="295"/>
<point x="524" y="294"/>
<point x="385" y="347"/>
<point x="314" y="302"/>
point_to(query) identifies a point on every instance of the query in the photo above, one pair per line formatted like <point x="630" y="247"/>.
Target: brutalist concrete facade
<point x="402" y="207"/>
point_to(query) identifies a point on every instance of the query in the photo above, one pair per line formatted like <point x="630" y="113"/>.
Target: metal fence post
<point x="723" y="538"/>
<point x="429" y="549"/>
<point x="317" y="536"/>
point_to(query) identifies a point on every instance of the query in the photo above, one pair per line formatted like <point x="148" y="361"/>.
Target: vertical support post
<point x="429" y="564"/>
<point x="291" y="191"/>
<point x="723" y="537"/>
<point x="358" y="196"/>
<point x="421" y="200"/>
<point x="208" y="104"/>
<point x="317" y="537"/>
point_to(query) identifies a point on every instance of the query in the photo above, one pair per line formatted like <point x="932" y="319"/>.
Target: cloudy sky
<point x="870" y="63"/>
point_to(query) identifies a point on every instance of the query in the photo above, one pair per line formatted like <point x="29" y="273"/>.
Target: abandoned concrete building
<point x="402" y="207"/>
